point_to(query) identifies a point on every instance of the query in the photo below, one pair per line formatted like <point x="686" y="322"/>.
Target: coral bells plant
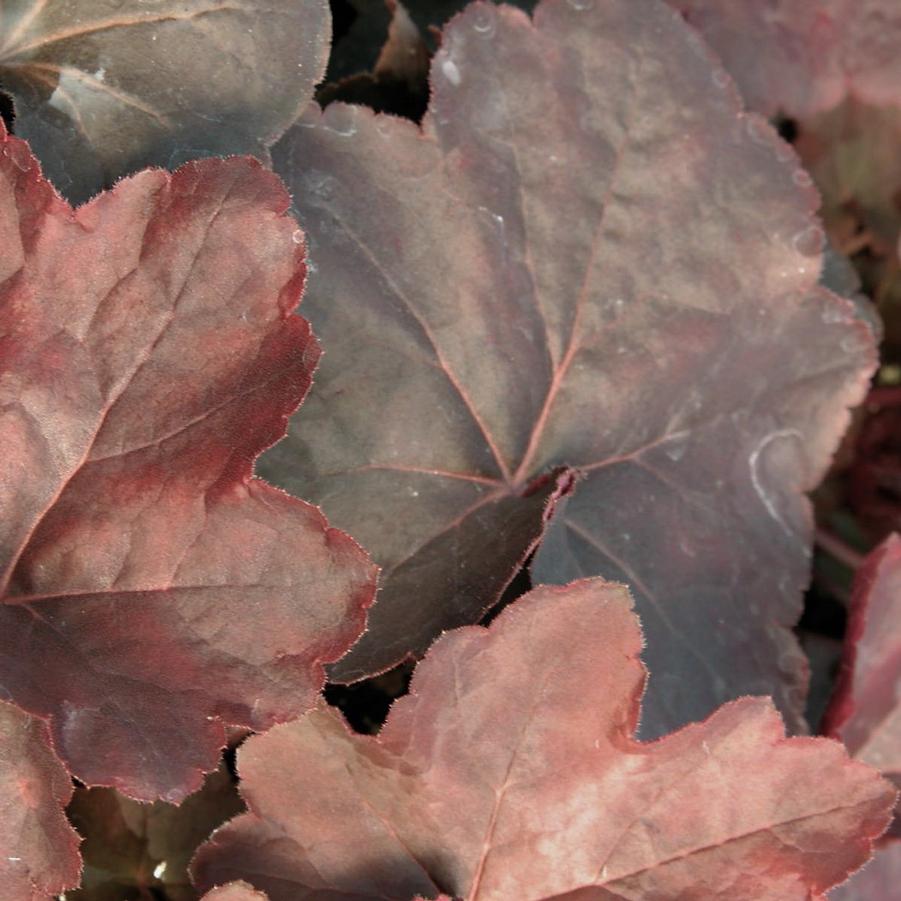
<point x="405" y="486"/>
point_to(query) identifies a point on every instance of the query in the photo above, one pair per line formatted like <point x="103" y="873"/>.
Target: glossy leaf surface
<point x="151" y="589"/>
<point x="535" y="282"/>
<point x="511" y="771"/>
<point x="105" y="87"/>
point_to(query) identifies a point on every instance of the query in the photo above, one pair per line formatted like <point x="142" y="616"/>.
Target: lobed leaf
<point x="38" y="848"/>
<point x="151" y="589"/>
<point x="588" y="265"/>
<point x="511" y="771"/>
<point x="103" y="88"/>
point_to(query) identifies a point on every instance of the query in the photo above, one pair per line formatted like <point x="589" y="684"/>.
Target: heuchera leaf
<point x="137" y="851"/>
<point x="588" y="259"/>
<point x="38" y="848"/>
<point x="866" y="710"/>
<point x="234" y="891"/>
<point x="104" y="88"/>
<point x="511" y="771"/>
<point x="834" y="66"/>
<point x="151" y="589"/>
<point x="877" y="881"/>
<point x="804" y="58"/>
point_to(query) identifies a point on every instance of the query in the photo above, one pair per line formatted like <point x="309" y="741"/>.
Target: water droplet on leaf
<point x="451" y="72"/>
<point x="484" y="21"/>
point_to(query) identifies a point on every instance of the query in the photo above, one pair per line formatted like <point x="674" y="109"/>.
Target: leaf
<point x="833" y="66"/>
<point x="865" y="712"/>
<point x="804" y="58"/>
<point x="877" y="881"/>
<point x="102" y="89"/>
<point x="234" y="891"/>
<point x="588" y="259"/>
<point x="151" y="589"/>
<point x="39" y="848"/>
<point x="135" y="851"/>
<point x="431" y="15"/>
<point x="510" y="771"/>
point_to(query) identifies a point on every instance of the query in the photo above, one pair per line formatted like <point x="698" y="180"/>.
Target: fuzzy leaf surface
<point x="866" y="709"/>
<point x="38" y="848"/>
<point x="103" y="88"/>
<point x="804" y="58"/>
<point x="151" y="590"/>
<point x="624" y="288"/>
<point x="511" y="771"/>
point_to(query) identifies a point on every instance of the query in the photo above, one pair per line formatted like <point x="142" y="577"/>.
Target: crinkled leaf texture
<point x="104" y="88"/>
<point x="511" y="771"/>
<point x="38" y="848"/>
<point x="877" y="881"/>
<point x="866" y="709"/>
<point x="804" y="58"/>
<point x="151" y="589"/>
<point x="588" y="259"/>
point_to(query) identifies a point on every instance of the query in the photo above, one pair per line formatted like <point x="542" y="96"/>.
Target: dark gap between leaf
<point x="384" y="95"/>
<point x="343" y="16"/>
<point x="788" y="129"/>
<point x="7" y="110"/>
<point x="365" y="704"/>
<point x="823" y="614"/>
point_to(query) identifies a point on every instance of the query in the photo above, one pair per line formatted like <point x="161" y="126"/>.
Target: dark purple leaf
<point x="591" y="260"/>
<point x="104" y="88"/>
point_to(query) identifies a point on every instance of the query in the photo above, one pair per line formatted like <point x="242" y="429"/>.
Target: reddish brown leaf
<point x="38" y="848"/>
<point x="511" y="771"/>
<point x="804" y="58"/>
<point x="102" y="89"/>
<point x="152" y="590"/>
<point x="589" y="258"/>
<point x="866" y="709"/>
<point x="877" y="881"/>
